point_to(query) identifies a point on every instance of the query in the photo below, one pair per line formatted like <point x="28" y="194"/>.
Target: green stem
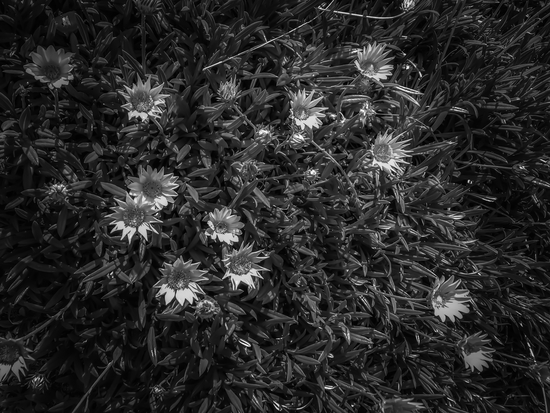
<point x="245" y="117"/>
<point x="56" y="99"/>
<point x="93" y="385"/>
<point x="143" y="43"/>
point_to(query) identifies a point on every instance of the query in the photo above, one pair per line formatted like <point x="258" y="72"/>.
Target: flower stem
<point x="245" y="117"/>
<point x="93" y="385"/>
<point x="56" y="99"/>
<point x="143" y="43"/>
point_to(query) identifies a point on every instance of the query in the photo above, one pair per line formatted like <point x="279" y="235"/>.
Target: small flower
<point x="51" y="66"/>
<point x="475" y="353"/>
<point x="207" y="308"/>
<point x="229" y="91"/>
<point x="147" y="6"/>
<point x="449" y="301"/>
<point x="133" y="216"/>
<point x="156" y="187"/>
<point x="248" y="169"/>
<point x="387" y="153"/>
<point x="297" y="140"/>
<point x="311" y="174"/>
<point x="242" y="265"/>
<point x="399" y="405"/>
<point x="57" y="193"/>
<point x="224" y="226"/>
<point x="304" y="112"/>
<point x="264" y="136"/>
<point x="12" y="358"/>
<point x="371" y="62"/>
<point x="180" y="281"/>
<point x="144" y="102"/>
<point x="367" y="113"/>
<point x="38" y="383"/>
<point x="156" y="395"/>
<point x="407" y="5"/>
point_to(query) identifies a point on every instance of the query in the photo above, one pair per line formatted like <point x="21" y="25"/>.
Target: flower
<point x="449" y="301"/>
<point x="12" y="358"/>
<point x="371" y="62"/>
<point x="143" y="102"/>
<point x="147" y="6"/>
<point x="133" y="215"/>
<point x="224" y="226"/>
<point x="297" y="140"/>
<point x="229" y="91"/>
<point x="304" y="112"/>
<point x="38" y="383"/>
<point x="399" y="405"/>
<point x="57" y="193"/>
<point x="207" y="308"/>
<point x="156" y="187"/>
<point x="312" y="174"/>
<point x="180" y="281"/>
<point x="367" y="113"/>
<point x="263" y="136"/>
<point x="51" y="66"/>
<point x="242" y="266"/>
<point x="407" y="5"/>
<point x="475" y="353"/>
<point x="387" y="152"/>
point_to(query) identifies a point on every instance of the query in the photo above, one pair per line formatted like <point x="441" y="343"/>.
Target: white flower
<point x="224" y="226"/>
<point x="387" y="153"/>
<point x="304" y="112"/>
<point x="51" y="66"/>
<point x="156" y="187"/>
<point x="143" y="102"/>
<point x="449" y="301"/>
<point x="180" y="282"/>
<point x="133" y="216"/>
<point x="12" y="358"/>
<point x="475" y="353"/>
<point x="242" y="265"/>
<point x="372" y="62"/>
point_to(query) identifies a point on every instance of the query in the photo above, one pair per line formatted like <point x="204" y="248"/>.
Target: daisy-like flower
<point x="372" y="62"/>
<point x="51" y="66"/>
<point x="449" y="301"/>
<point x="147" y="6"/>
<point x="387" y="152"/>
<point x="207" y="308"/>
<point x="57" y="193"/>
<point x="133" y="216"/>
<point x="407" y="5"/>
<point x="399" y="405"/>
<point x="144" y="102"/>
<point x="156" y="187"/>
<point x="180" y="282"/>
<point x="304" y="112"/>
<point x="242" y="265"/>
<point x="224" y="226"/>
<point x="475" y="353"/>
<point x="12" y="358"/>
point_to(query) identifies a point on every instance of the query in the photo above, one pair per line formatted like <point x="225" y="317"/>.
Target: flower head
<point x="304" y="112"/>
<point x="367" y="113"/>
<point x="224" y="226"/>
<point x="474" y="351"/>
<point x="12" y="358"/>
<point x="51" y="66"/>
<point x="156" y="187"/>
<point x="407" y="5"/>
<point x="399" y="405"/>
<point x="143" y="102"/>
<point x="180" y="281"/>
<point x="372" y="62"/>
<point x="449" y="301"/>
<point x="264" y="136"/>
<point x="229" y="91"/>
<point x="387" y="152"/>
<point x="207" y="308"/>
<point x="147" y="6"/>
<point x="297" y="140"/>
<point x="38" y="383"/>
<point x="242" y="265"/>
<point x="57" y="193"/>
<point x="133" y="216"/>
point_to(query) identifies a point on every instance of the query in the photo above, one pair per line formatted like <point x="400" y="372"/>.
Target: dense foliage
<point x="314" y="267"/>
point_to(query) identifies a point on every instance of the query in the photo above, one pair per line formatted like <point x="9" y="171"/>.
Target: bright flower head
<point x="399" y="405"/>
<point x="407" y="5"/>
<point x="207" y="308"/>
<point x="242" y="266"/>
<point x="57" y="193"/>
<point x="372" y="62"/>
<point x="38" y="383"/>
<point x="229" y="91"/>
<point x="156" y="187"/>
<point x="304" y="112"/>
<point x="180" y="281"/>
<point x="387" y="152"/>
<point x="143" y="102"/>
<point x="449" y="301"/>
<point x="133" y="216"/>
<point x="51" y="66"/>
<point x="12" y="358"/>
<point x="475" y="353"/>
<point x="224" y="226"/>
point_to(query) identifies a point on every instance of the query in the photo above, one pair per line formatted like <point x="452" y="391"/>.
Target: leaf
<point x="152" y="345"/>
<point x="113" y="189"/>
<point x="193" y="192"/>
<point x="62" y="221"/>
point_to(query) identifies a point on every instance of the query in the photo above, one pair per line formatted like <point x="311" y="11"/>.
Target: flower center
<point x="438" y="301"/>
<point x="179" y="279"/>
<point x="9" y="353"/>
<point x="133" y="217"/>
<point x="382" y="152"/>
<point x="240" y="265"/>
<point x="152" y="189"/>
<point x="142" y="102"/>
<point x="368" y="68"/>
<point x="52" y="72"/>
<point x="301" y="112"/>
<point x="221" y="227"/>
